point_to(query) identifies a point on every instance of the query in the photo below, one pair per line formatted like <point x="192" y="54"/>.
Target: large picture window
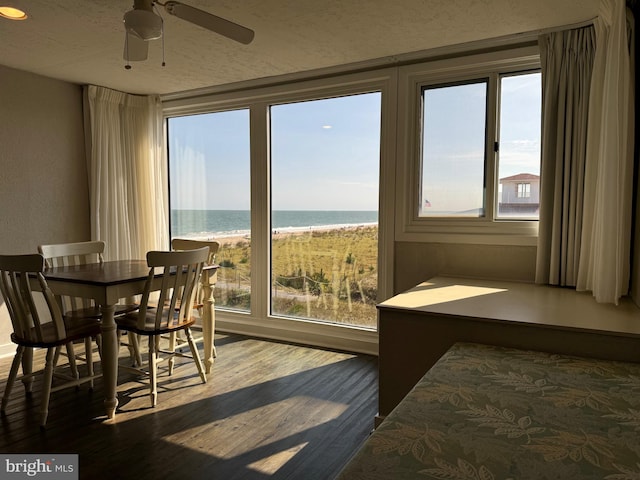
<point x="290" y="190"/>
<point x="325" y="157"/>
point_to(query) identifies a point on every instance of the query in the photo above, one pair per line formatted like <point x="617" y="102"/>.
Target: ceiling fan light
<point x="143" y="24"/>
<point x="12" y="13"/>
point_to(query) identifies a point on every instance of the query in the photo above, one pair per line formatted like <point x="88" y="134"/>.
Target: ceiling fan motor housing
<point x="144" y="24"/>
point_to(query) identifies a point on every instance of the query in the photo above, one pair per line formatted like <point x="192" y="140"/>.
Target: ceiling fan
<point x="143" y="23"/>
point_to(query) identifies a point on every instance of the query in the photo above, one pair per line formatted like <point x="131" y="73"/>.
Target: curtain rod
<point x="376" y="63"/>
<point x="561" y="28"/>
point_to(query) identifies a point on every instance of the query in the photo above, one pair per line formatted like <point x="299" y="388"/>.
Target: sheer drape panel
<point x="567" y="62"/>
<point x="128" y="177"/>
<point x="606" y="238"/>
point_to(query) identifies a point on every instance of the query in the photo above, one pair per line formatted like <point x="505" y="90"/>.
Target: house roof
<point x="520" y="176"/>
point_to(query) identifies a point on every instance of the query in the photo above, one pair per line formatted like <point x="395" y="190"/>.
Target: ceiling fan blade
<point x="210" y="22"/>
<point x="135" y="49"/>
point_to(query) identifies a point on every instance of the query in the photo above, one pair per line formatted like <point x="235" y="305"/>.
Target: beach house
<point x="520" y="194"/>
<point x="66" y="55"/>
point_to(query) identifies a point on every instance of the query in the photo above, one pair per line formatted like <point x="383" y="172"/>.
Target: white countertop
<point x="517" y="302"/>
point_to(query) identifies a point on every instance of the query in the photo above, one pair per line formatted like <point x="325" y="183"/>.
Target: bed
<point x="486" y="412"/>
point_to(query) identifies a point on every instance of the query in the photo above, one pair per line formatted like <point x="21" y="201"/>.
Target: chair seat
<point x="76" y="329"/>
<point x="94" y="312"/>
<point x="129" y="322"/>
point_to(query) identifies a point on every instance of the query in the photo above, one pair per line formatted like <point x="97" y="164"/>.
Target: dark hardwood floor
<point x="269" y="410"/>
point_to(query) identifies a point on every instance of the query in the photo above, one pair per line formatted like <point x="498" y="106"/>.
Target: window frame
<point x="258" y="100"/>
<point x="313" y="98"/>
<point x="167" y="156"/>
<point x="412" y="80"/>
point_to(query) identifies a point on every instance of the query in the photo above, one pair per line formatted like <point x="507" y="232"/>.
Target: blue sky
<point x="325" y="156"/>
<point x="209" y="161"/>
<point x="453" y="147"/>
<point x="520" y="133"/>
<point x="325" y="153"/>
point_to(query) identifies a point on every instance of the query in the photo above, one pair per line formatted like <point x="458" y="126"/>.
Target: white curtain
<point x="606" y="235"/>
<point x="127" y="174"/>
<point x="567" y="59"/>
<point x="587" y="156"/>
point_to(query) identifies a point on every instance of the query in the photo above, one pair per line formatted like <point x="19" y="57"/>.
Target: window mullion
<point x="491" y="175"/>
<point x="260" y="221"/>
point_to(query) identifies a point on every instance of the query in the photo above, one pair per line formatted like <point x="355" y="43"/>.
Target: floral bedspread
<point x="484" y="412"/>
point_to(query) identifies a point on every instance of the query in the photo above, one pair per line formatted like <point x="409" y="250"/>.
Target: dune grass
<point x="328" y="275"/>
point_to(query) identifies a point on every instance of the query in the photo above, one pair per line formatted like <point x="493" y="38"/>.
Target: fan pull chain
<point x="155" y="9"/>
<point x="126" y="47"/>
<point x="163" y="64"/>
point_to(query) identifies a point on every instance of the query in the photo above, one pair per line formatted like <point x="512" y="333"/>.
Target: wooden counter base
<point x="418" y="326"/>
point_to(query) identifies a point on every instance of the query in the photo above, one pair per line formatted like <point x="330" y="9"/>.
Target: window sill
<point x="326" y="335"/>
<point x="485" y="233"/>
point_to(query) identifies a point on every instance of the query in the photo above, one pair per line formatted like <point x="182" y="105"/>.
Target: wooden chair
<point x="204" y="292"/>
<point x="35" y="326"/>
<point x="171" y="312"/>
<point x="82" y="253"/>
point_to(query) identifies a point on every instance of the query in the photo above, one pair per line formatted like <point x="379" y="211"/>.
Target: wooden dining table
<point x="109" y="282"/>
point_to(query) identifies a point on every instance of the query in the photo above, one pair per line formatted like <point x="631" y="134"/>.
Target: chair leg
<point x="195" y="355"/>
<point x="172" y="349"/>
<point x="88" y="352"/>
<point x="99" y="345"/>
<point x="13" y="373"/>
<point x="71" y="354"/>
<point x="46" y="387"/>
<point x="134" y="349"/>
<point x="153" y="366"/>
<point x="57" y="354"/>
<point x="27" y="369"/>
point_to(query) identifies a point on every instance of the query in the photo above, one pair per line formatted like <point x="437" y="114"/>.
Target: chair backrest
<point x="17" y="272"/>
<point x="180" y="272"/>
<point x="188" y="244"/>
<point x="70" y="254"/>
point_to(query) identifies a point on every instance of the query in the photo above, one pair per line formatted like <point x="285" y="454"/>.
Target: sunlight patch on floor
<point x="263" y="373"/>
<point x="273" y="463"/>
<point x="300" y="413"/>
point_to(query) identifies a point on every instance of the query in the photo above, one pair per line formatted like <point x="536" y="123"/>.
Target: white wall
<point x="416" y="262"/>
<point x="43" y="176"/>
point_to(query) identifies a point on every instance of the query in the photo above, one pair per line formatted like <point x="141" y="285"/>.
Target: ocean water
<point x="220" y="223"/>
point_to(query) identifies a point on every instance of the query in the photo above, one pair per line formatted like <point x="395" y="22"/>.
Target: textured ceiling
<point x="81" y="41"/>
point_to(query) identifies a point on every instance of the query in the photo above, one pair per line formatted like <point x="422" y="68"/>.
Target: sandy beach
<point x="279" y="234"/>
